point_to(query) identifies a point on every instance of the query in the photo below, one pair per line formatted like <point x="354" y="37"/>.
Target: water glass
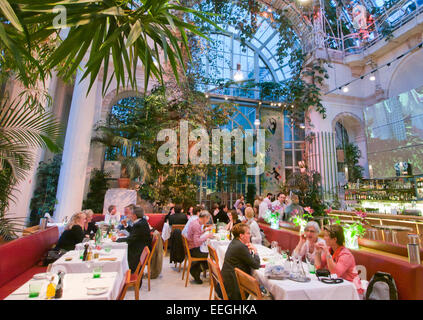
<point x="311" y="267"/>
<point x="108" y="248"/>
<point x="97" y="271"/>
<point x="34" y="289"/>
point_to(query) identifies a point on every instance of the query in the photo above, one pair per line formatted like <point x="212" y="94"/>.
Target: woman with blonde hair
<point x="254" y="227"/>
<point x="89" y="223"/>
<point x="73" y="234"/>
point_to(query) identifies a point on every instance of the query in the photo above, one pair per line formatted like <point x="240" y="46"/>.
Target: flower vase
<point x="274" y="224"/>
<point x="351" y="241"/>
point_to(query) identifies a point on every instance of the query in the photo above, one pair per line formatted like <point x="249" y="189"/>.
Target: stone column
<point x="71" y="185"/>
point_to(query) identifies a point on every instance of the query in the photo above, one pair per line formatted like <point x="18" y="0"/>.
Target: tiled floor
<point x="170" y="286"/>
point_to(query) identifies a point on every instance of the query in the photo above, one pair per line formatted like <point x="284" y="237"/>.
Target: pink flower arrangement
<point x="309" y="210"/>
<point x="361" y="214"/>
<point x="276" y="208"/>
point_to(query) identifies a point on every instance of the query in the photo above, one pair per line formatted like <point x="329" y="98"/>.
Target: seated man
<point x="179" y="217"/>
<point x="139" y="237"/>
<point x="126" y="224"/>
<point x="112" y="217"/>
<point x="240" y="254"/>
<point x="196" y="237"/>
<point x="195" y="214"/>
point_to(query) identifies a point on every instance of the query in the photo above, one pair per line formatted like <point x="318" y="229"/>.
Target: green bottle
<point x="98" y="237"/>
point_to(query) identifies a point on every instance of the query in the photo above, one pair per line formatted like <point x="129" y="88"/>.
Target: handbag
<point x="324" y="276"/>
<point x="53" y="255"/>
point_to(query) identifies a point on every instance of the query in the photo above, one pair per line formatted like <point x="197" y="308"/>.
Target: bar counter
<point x="415" y="223"/>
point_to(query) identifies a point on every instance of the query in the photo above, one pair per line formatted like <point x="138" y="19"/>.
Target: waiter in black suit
<point x="240" y="254"/>
<point x="178" y="217"/>
<point x="139" y="237"/>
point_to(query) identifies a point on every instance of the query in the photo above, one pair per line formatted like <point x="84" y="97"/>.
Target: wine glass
<point x="274" y="246"/>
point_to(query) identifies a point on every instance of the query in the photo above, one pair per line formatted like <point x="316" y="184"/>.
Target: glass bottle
<point x="98" y="237"/>
<point x="59" y="287"/>
<point x="51" y="289"/>
<point x="85" y="254"/>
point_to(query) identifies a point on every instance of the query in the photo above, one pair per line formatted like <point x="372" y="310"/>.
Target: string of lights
<point x="344" y="87"/>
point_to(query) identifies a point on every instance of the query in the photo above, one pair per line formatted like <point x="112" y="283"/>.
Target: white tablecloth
<point x="76" y="265"/>
<point x="292" y="290"/>
<point x="105" y="242"/>
<point x="120" y="198"/>
<point x="75" y="287"/>
<point x="313" y="290"/>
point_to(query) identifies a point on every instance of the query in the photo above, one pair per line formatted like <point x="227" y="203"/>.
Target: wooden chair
<point x="180" y="227"/>
<point x="216" y="278"/>
<point x="153" y="248"/>
<point x="126" y="281"/>
<point x="189" y="258"/>
<point x="134" y="279"/>
<point x="165" y="245"/>
<point x="215" y="259"/>
<point x="247" y="284"/>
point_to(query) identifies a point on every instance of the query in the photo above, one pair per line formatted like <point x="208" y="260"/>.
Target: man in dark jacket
<point x="139" y="237"/>
<point x="222" y="216"/>
<point x="240" y="254"/>
<point x="178" y="217"/>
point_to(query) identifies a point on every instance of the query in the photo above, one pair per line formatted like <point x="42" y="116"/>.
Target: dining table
<point x="288" y="289"/>
<point x="114" y="261"/>
<point x="76" y="286"/>
<point x="104" y="243"/>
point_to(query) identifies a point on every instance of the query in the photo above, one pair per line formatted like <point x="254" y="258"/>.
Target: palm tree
<point x="122" y="33"/>
<point x="21" y="129"/>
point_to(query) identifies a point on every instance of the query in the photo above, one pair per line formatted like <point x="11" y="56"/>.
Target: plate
<point x="40" y="276"/>
<point x="96" y="291"/>
<point x="306" y="279"/>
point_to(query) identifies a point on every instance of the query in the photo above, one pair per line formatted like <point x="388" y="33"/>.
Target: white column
<point x="25" y="189"/>
<point x="71" y="185"/>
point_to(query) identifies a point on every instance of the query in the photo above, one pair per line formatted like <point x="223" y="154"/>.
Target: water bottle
<point x="413" y="249"/>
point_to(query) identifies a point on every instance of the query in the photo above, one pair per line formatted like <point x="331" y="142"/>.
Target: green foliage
<point x="301" y="91"/>
<point x="352" y="156"/>
<point x="132" y="134"/>
<point x="98" y="187"/>
<point x="44" y="197"/>
<point x="307" y="186"/>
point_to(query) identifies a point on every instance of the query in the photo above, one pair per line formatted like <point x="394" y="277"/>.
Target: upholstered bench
<point x="20" y="259"/>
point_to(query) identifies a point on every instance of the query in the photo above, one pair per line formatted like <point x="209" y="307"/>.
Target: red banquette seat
<point x="20" y="259"/>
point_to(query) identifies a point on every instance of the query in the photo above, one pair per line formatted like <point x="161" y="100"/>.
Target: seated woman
<point x="233" y="219"/>
<point x="112" y="216"/>
<point x="89" y="223"/>
<point x="335" y="257"/>
<point x="293" y="208"/>
<point x="306" y="247"/>
<point x="240" y="211"/>
<point x="73" y="234"/>
<point x="254" y="227"/>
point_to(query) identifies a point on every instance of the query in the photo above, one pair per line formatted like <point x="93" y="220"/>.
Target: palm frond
<point x="22" y="129"/>
<point x="128" y="32"/>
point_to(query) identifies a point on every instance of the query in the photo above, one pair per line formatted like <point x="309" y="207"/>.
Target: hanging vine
<point x="298" y="93"/>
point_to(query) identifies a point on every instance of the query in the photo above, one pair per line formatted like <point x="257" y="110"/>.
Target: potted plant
<point x="301" y="220"/>
<point x="354" y="230"/>
<point x="124" y="179"/>
<point x="273" y="216"/>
